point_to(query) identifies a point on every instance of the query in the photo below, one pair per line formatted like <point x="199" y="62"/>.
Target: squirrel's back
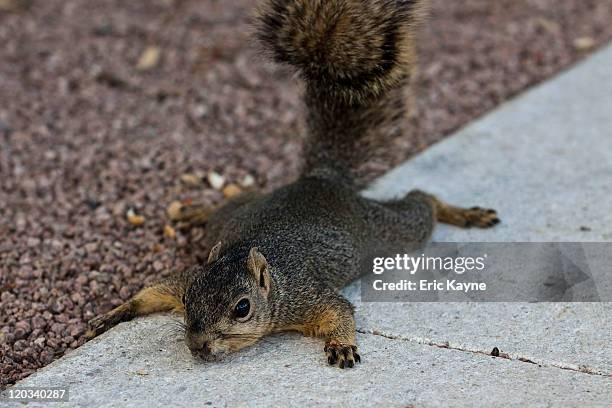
<point x="355" y="57"/>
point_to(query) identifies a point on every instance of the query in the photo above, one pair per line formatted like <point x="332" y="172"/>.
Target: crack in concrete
<point x="584" y="369"/>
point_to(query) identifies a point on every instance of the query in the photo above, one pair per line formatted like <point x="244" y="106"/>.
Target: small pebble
<point x="216" y="180"/>
<point x="58" y="328"/>
<point x="23" y="325"/>
<point x="231" y="190"/>
<point x="33" y="242"/>
<point x="40" y="342"/>
<point x="148" y="59"/>
<point x="169" y="232"/>
<point x="134" y="219"/>
<point x="77" y="298"/>
<point x="248" y="181"/>
<point x="174" y="210"/>
<point x="158" y="266"/>
<point x="549" y="25"/>
<point x="20" y="345"/>
<point x="584" y="43"/>
<point x="58" y="306"/>
<point x="26" y="272"/>
<point x="82" y="279"/>
<point x="124" y="293"/>
<point x="38" y="322"/>
<point x="75" y="329"/>
<point x="191" y="179"/>
<point x="91" y="247"/>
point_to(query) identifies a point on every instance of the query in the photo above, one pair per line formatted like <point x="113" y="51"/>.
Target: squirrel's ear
<point x="258" y="266"/>
<point x="213" y="255"/>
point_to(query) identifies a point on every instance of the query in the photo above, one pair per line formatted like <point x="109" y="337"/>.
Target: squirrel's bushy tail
<point x="355" y="56"/>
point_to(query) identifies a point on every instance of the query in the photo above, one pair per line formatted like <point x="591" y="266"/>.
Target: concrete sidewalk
<point x="544" y="161"/>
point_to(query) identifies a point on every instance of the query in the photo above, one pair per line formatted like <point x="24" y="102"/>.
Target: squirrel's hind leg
<point x="409" y="220"/>
<point x="164" y="296"/>
<point x="412" y="211"/>
<point x="460" y="217"/>
<point x="187" y="216"/>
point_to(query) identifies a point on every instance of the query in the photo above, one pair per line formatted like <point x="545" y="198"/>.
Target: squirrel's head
<point x="226" y="307"/>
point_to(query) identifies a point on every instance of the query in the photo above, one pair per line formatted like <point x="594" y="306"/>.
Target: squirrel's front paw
<point x="343" y="354"/>
<point x="107" y="321"/>
<point x="97" y="326"/>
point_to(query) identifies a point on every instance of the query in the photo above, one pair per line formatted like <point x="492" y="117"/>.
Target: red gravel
<point x="84" y="135"/>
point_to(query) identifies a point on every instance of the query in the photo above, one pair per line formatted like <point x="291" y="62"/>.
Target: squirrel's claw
<point x="480" y="217"/>
<point x="105" y="322"/>
<point x="344" y="355"/>
<point x="96" y="327"/>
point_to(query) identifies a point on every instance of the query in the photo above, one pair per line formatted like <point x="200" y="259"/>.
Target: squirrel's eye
<point x="242" y="308"/>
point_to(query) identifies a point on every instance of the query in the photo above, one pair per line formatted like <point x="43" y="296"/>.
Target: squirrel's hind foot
<point x="460" y="217"/>
<point x="344" y="355"/>
<point x="481" y="217"/>
<point x="468" y="218"/>
<point x="187" y="216"/>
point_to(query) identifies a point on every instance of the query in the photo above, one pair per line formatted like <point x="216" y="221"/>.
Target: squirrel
<point x="278" y="259"/>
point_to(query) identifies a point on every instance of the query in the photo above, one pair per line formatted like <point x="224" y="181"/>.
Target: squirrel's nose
<point x="198" y="348"/>
<point x="203" y="350"/>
